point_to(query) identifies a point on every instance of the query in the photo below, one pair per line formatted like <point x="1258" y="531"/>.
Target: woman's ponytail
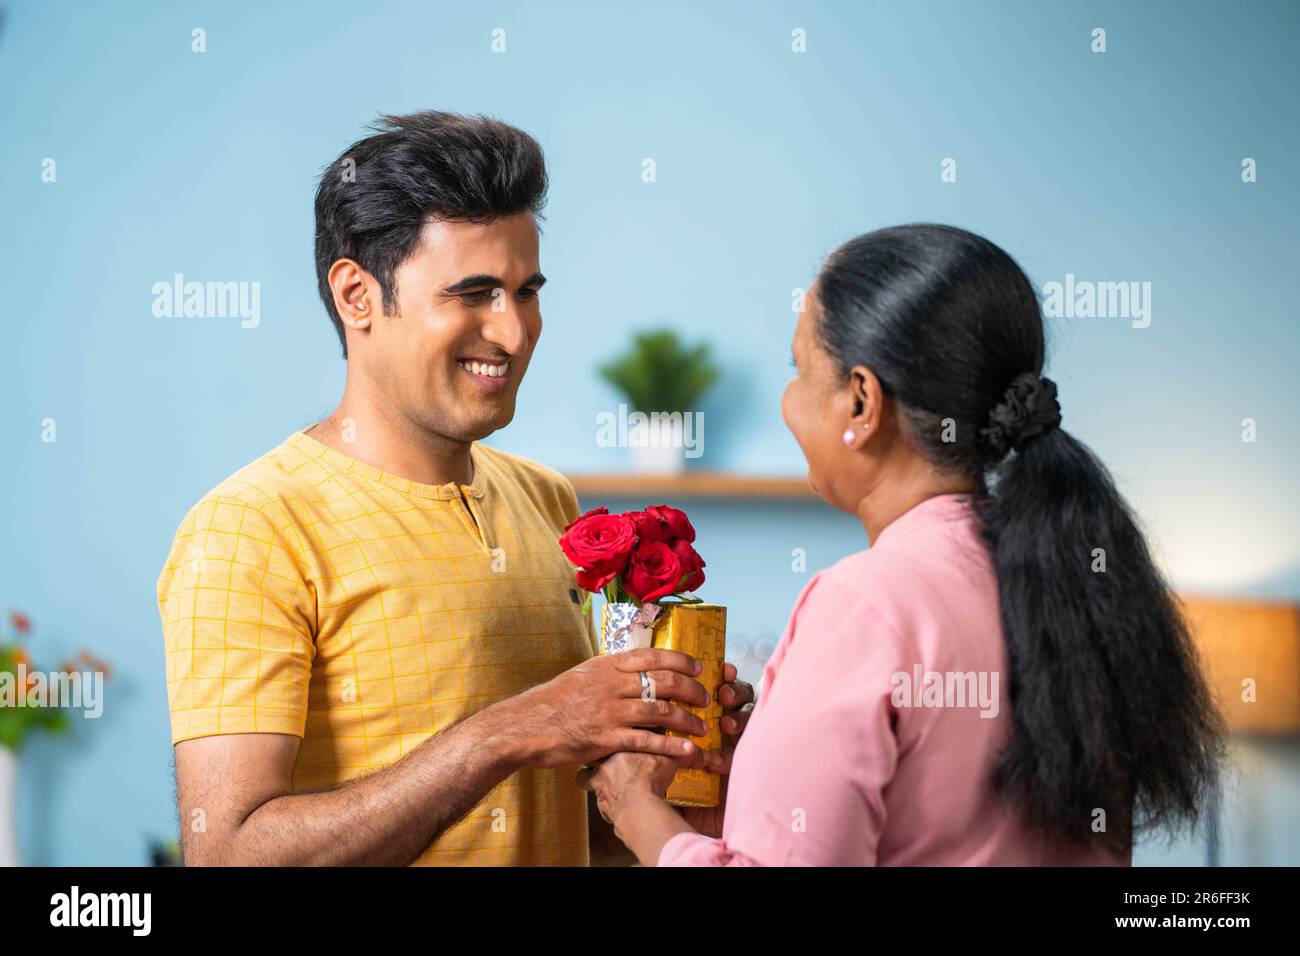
<point x="1113" y="727"/>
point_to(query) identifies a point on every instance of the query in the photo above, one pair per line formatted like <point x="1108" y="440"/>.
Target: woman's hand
<point x="629" y="790"/>
<point x="622" y="779"/>
<point x="630" y="787"/>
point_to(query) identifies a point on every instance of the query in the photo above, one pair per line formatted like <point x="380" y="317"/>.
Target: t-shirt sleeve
<point x="237" y="615"/>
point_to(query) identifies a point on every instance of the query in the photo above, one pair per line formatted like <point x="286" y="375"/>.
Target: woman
<point x="1001" y="678"/>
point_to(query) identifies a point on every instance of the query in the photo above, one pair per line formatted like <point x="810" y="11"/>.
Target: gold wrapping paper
<point x="701" y="631"/>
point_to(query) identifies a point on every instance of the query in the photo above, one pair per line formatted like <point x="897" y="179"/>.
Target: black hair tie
<point x="1028" y="409"/>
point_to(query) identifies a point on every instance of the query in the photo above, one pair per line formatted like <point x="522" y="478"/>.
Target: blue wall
<point x="1116" y="166"/>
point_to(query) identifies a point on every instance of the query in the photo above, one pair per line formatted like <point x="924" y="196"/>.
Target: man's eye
<point x="475" y="298"/>
<point x="529" y="293"/>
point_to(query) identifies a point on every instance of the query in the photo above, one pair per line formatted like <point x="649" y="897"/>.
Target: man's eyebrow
<point x="482" y="280"/>
<point x="473" y="282"/>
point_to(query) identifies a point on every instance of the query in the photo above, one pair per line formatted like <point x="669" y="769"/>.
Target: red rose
<point x="675" y="522"/>
<point x="590" y="514"/>
<point x="692" y="565"/>
<point x="653" y="571"/>
<point x="648" y="527"/>
<point x="599" y="544"/>
<point x="662" y="523"/>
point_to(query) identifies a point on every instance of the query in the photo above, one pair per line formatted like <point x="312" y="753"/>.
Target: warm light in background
<point x="1256" y="641"/>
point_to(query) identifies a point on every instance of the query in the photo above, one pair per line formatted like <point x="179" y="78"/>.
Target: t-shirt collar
<point x="477" y="488"/>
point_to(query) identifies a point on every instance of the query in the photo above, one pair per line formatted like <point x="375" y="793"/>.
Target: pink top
<point x="882" y="712"/>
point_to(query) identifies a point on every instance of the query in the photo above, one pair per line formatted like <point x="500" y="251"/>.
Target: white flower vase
<point x="8" y="808"/>
<point x="658" y="447"/>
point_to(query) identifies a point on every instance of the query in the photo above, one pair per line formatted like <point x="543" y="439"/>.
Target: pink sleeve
<point x="695" y="849"/>
<point x="807" y="781"/>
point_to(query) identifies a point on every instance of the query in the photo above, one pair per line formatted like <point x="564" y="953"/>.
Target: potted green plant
<point x="663" y="380"/>
<point x="24" y="709"/>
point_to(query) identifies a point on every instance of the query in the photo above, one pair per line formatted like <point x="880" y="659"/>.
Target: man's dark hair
<point x="374" y="199"/>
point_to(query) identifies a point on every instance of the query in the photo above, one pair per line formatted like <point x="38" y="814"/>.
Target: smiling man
<point x="375" y="652"/>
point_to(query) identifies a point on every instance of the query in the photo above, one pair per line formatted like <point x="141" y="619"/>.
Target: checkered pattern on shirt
<point x="311" y="594"/>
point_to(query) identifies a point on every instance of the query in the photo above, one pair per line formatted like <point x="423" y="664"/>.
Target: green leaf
<point x="660" y="374"/>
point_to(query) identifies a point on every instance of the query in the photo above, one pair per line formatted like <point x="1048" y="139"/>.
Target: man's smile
<point x="492" y="375"/>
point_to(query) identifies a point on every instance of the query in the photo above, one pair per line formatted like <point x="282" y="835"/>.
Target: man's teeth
<point x="479" y="368"/>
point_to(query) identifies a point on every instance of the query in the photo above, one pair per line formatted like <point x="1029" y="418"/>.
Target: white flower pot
<point x="658" y="447"/>
<point x="8" y="808"/>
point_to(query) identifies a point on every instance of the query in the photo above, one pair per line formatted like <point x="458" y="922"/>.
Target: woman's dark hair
<point x="374" y="199"/>
<point x="1110" y="710"/>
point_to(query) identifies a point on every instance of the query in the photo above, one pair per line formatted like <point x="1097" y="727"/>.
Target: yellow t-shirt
<point x="314" y="595"/>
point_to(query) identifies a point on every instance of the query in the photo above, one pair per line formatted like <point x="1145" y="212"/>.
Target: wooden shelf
<point x="692" y="484"/>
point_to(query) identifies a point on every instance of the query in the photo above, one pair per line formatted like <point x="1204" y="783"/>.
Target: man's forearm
<point x="386" y="818"/>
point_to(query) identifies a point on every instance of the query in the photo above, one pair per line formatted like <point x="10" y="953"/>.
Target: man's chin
<point x="481" y="428"/>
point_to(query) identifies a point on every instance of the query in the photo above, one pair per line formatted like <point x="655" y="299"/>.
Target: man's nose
<point x="506" y="329"/>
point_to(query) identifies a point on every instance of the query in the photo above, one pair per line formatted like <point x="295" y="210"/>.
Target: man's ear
<point x="356" y="294"/>
<point x="867" y="401"/>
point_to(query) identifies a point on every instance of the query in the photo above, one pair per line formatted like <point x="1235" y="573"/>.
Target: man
<point x="375" y="651"/>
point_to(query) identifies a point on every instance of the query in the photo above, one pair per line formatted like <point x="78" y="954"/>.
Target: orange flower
<point x="21" y="622"/>
<point x="21" y="660"/>
<point x="94" y="663"/>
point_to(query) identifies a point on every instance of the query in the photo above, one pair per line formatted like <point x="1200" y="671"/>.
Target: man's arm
<point x="237" y="807"/>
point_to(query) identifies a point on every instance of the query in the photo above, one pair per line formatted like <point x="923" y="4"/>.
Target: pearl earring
<point x="848" y="437"/>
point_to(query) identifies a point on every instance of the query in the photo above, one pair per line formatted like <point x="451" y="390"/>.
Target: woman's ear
<point x="866" y="405"/>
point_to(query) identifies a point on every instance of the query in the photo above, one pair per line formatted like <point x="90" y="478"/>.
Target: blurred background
<point x="704" y="158"/>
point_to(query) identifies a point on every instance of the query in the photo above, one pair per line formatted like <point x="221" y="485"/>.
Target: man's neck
<point x="364" y="429"/>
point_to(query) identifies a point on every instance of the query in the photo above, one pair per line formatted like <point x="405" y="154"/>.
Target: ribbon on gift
<point x="626" y="626"/>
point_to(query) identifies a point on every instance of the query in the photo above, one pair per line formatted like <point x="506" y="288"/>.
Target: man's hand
<point x="737" y="699"/>
<point x="596" y="708"/>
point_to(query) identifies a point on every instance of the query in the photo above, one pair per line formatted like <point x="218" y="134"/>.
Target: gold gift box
<point x="699" y="630"/>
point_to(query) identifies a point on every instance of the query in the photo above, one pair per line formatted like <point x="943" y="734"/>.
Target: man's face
<point x="468" y="317"/>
